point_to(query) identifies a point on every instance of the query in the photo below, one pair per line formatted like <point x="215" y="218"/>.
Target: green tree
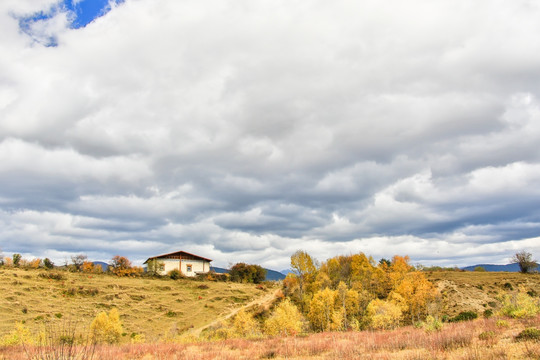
<point x="17" y="259"/>
<point x="246" y="273"/>
<point x="47" y="263"/>
<point x="525" y="261"/>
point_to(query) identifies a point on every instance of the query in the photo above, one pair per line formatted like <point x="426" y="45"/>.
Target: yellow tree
<point x="106" y="328"/>
<point x="321" y="312"/>
<point x="383" y="314"/>
<point x="413" y="294"/>
<point x="305" y="268"/>
<point x="285" y="320"/>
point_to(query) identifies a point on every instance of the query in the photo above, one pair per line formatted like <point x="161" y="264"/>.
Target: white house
<point x="188" y="264"/>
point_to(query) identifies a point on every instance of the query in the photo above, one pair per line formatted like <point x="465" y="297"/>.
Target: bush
<point x="432" y="324"/>
<point x="529" y="334"/>
<point x="285" y="320"/>
<point x="464" y="316"/>
<point x="52" y="275"/>
<point x="245" y="326"/>
<point x="486" y="335"/>
<point x="174" y="274"/>
<point x="519" y="305"/>
<point x="106" y="328"/>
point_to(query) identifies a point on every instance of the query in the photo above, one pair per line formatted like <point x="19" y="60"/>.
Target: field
<point x="163" y="309"/>
<point x="155" y="308"/>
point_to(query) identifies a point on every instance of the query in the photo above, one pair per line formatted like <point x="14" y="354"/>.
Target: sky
<point x="245" y="130"/>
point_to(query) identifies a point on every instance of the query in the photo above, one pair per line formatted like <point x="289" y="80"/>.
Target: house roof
<point x="178" y="255"/>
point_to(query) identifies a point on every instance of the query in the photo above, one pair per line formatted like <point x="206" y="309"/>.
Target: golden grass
<point x="458" y="341"/>
<point x="156" y="308"/>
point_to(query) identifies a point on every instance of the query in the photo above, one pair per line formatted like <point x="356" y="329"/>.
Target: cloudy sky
<point x="243" y="130"/>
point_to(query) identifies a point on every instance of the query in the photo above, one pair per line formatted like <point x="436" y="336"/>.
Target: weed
<point x="464" y="316"/>
<point x="529" y="334"/>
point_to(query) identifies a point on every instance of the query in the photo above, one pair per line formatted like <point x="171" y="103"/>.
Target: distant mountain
<point x="271" y="275"/>
<point x="286" y="272"/>
<point x="494" y="268"/>
<point x="103" y="265"/>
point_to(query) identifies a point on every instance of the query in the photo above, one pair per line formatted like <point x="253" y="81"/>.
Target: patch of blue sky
<point x="80" y="14"/>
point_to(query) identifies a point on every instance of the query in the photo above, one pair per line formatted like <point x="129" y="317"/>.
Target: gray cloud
<point x="247" y="130"/>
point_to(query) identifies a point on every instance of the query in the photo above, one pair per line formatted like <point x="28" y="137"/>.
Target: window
<point x="188" y="268"/>
<point x="161" y="267"/>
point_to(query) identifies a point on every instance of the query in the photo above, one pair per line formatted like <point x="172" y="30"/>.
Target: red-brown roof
<point x="177" y="253"/>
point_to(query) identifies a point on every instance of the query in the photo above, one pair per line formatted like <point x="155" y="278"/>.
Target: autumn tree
<point x="321" y="312"/>
<point x="121" y="266"/>
<point x="413" y="294"/>
<point x="525" y="261"/>
<point x="286" y="320"/>
<point x="78" y="261"/>
<point x="304" y="267"/>
<point x="383" y="314"/>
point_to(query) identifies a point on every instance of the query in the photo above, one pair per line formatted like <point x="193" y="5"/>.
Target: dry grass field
<point x="155" y="308"/>
<point x="475" y="340"/>
<point x="162" y="309"/>
<point x="478" y="291"/>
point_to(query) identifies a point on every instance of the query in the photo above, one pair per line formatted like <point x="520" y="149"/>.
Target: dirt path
<point x="265" y="300"/>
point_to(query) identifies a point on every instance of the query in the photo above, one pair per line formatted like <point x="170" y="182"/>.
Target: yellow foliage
<point x="285" y="320"/>
<point x="519" y="305"/>
<point x="8" y="261"/>
<point x="321" y="310"/>
<point x="21" y="335"/>
<point x="383" y="314"/>
<point x="244" y="325"/>
<point x="106" y="328"/>
<point x="413" y="294"/>
<point x="34" y="264"/>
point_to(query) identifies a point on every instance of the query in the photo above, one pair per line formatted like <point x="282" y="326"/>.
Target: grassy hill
<point x="478" y="291"/>
<point x="157" y="308"/>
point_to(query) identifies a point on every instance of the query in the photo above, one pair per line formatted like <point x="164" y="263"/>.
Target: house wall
<point x="197" y="266"/>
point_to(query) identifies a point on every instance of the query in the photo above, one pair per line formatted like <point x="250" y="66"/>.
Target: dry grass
<point x="478" y="291"/>
<point x="459" y="341"/>
<point x="156" y="308"/>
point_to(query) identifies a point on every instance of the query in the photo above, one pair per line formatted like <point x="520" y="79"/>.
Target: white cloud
<point x="249" y="129"/>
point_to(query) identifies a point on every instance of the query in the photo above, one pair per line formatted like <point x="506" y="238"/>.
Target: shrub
<point x="21" y="335"/>
<point x="106" y="328"/>
<point x="519" y="305"/>
<point x="244" y="325"/>
<point x="479" y="269"/>
<point x="174" y="274"/>
<point x="488" y="313"/>
<point x="52" y="275"/>
<point x="486" y="335"/>
<point x="432" y="324"/>
<point x="285" y="320"/>
<point x="529" y="334"/>
<point x="464" y="316"/>
<point x="502" y="324"/>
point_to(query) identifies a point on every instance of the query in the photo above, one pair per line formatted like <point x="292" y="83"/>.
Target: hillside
<point x="478" y="291"/>
<point x="157" y="308"/>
